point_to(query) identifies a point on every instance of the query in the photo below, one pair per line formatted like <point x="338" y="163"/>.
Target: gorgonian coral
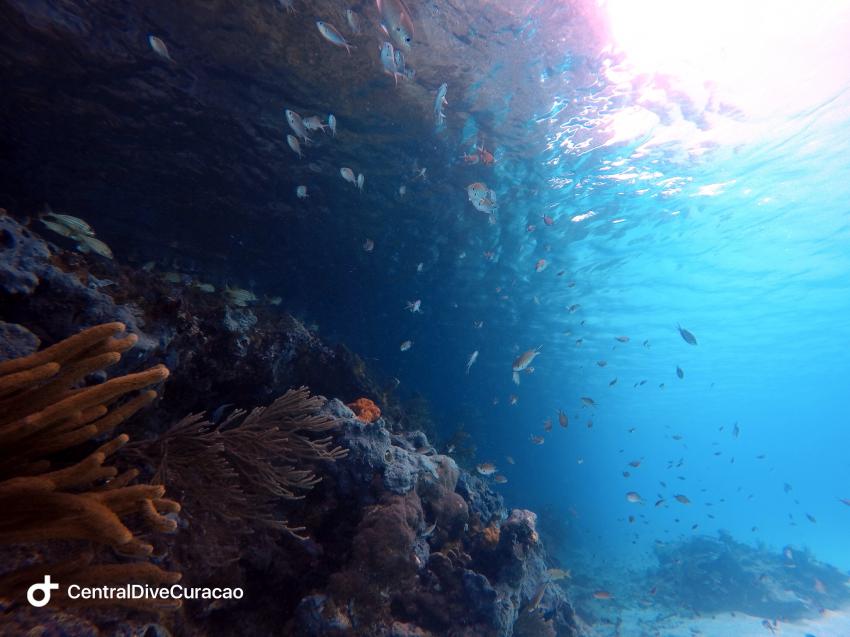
<point x="241" y="469"/>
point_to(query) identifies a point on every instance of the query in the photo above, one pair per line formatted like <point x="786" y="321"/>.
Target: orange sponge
<point x="365" y="410"/>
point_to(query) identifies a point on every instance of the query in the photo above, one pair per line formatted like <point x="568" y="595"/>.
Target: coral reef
<point x="48" y="491"/>
<point x="395" y="539"/>
<point x="418" y="559"/>
<point x="711" y="575"/>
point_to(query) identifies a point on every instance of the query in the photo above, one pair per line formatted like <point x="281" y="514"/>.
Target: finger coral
<point x="241" y="469"/>
<point x="45" y="412"/>
<point x="365" y="410"/>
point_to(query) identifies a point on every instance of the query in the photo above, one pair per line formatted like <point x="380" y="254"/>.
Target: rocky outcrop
<point x="422" y="561"/>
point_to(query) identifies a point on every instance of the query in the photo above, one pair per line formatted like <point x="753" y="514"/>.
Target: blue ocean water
<point x="743" y="238"/>
<point x="734" y="225"/>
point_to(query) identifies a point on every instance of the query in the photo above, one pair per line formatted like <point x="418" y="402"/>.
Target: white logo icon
<point x="39" y="594"/>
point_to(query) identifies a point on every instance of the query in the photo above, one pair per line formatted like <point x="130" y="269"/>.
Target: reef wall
<point x="399" y="539"/>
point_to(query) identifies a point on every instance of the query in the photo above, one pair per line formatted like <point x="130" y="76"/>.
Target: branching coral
<point x="44" y="413"/>
<point x="232" y="476"/>
<point x="365" y="410"/>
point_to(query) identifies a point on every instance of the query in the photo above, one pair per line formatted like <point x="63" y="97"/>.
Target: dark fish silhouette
<point x="689" y="338"/>
<point x="736" y="430"/>
<point x="562" y="419"/>
<point x="680" y="372"/>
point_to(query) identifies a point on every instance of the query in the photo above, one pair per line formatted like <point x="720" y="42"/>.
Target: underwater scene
<point x="421" y="318"/>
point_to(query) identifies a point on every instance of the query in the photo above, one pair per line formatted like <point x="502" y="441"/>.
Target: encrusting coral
<point x="44" y="413"/>
<point x="240" y="469"/>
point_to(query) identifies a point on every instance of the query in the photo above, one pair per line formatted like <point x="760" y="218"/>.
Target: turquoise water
<point x="758" y="272"/>
<point x="734" y="225"/>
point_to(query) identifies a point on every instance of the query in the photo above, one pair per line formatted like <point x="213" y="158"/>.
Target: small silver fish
<point x="313" y="123"/>
<point x="159" y="48"/>
<point x="534" y="602"/>
<point x="333" y="36"/>
<point x="360" y="181"/>
<point x="348" y="175"/>
<point x="58" y="228"/>
<point x="90" y="244"/>
<point x="388" y="61"/>
<point x="332" y="124"/>
<point x="297" y="124"/>
<point x="74" y="224"/>
<point x="292" y="140"/>
<point x="301" y="192"/>
<point x="472" y="358"/>
<point x="440" y="102"/>
<point x="353" y="19"/>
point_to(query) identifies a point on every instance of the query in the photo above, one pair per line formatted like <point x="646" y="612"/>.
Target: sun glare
<point x="763" y="57"/>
